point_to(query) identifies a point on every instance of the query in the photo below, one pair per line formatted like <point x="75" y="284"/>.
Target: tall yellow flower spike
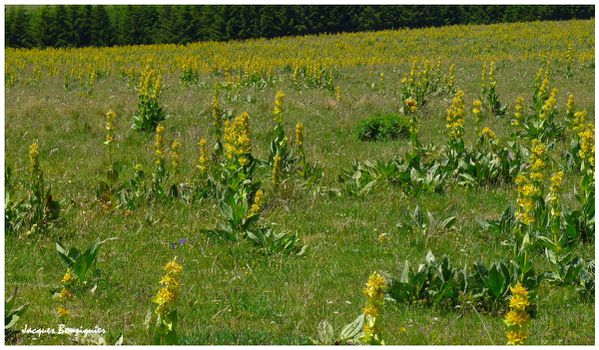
<point x="517" y="317"/>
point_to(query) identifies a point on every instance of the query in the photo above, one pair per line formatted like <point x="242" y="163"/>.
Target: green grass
<point x="231" y="295"/>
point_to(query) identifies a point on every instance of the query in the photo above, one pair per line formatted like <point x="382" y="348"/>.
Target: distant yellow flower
<point x="519" y="302"/>
<point x="488" y="133"/>
<point x="173" y="267"/>
<point x="338" y="93"/>
<point x="570" y="105"/>
<point x="376" y="286"/>
<point x="34" y="158"/>
<point x="62" y="312"/>
<point x="65" y="294"/>
<point x="170" y="281"/>
<point x="455" y="116"/>
<point x="587" y="146"/>
<point x="516" y="317"/>
<point x="579" y="121"/>
<point x="68" y="277"/>
<point x="549" y="105"/>
<point x="516" y="337"/>
<point x="175" y="156"/>
<point x="299" y="134"/>
<point x="165" y="296"/>
<point x="237" y="140"/>
<point x="257" y="204"/>
<point x="159" y="145"/>
<point x="278" y="110"/>
<point x="411" y="104"/>
<point x="518" y="117"/>
<point x="372" y="310"/>
<point x="492" y="81"/>
<point x="477" y="106"/>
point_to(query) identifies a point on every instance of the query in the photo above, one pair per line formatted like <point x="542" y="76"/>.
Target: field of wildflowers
<point x="282" y="187"/>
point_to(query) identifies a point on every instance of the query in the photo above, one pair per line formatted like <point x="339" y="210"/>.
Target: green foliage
<point x="99" y="25"/>
<point x="350" y="334"/>
<point x="436" y="282"/>
<point x="428" y="224"/>
<point x="32" y="214"/>
<point x="149" y="113"/>
<point x="189" y="76"/>
<point x="383" y="127"/>
<point x="83" y="264"/>
<point x="12" y="314"/>
<point x="162" y="328"/>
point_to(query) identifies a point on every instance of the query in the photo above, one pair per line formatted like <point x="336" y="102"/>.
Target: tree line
<point x="109" y="25"/>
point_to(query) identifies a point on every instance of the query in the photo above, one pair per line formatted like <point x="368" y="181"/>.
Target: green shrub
<point x="383" y="127"/>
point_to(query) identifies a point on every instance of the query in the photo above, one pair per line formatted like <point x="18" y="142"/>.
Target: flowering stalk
<point x="518" y="116"/>
<point x="477" y="112"/>
<point x="175" y="156"/>
<point x="517" y="317"/>
<point x="165" y="314"/>
<point x="375" y="290"/>
<point x="455" y="120"/>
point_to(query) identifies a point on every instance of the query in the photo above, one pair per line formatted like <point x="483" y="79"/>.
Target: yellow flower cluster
<point x="276" y="170"/>
<point x="375" y="290"/>
<point x="68" y="278"/>
<point x="110" y="118"/>
<point x="411" y="104"/>
<point x="203" y="159"/>
<point x="492" y="81"/>
<point x="570" y="106"/>
<point x="538" y="77"/>
<point x="469" y="45"/>
<point x="544" y="86"/>
<point x="455" y="116"/>
<point x="556" y="185"/>
<point x="149" y="83"/>
<point x="527" y="194"/>
<point x="237" y="139"/>
<point x="579" y="122"/>
<point x="537" y="160"/>
<point x="67" y="282"/>
<point x="487" y="133"/>
<point x="518" y="117"/>
<point x="139" y="169"/>
<point x="477" y="107"/>
<point x="278" y="110"/>
<point x="34" y="158"/>
<point x="175" y="155"/>
<point x="258" y="203"/>
<point x="451" y="79"/>
<point x="338" y="93"/>
<point x="159" y="146"/>
<point x="517" y="317"/>
<point x="62" y="312"/>
<point x="549" y="105"/>
<point x="299" y="134"/>
<point x="587" y="146"/>
<point x="167" y="295"/>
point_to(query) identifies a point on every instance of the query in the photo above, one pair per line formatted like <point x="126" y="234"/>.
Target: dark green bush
<point x="382" y="127"/>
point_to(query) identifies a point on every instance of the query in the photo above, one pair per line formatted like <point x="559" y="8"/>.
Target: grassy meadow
<point x="230" y="293"/>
